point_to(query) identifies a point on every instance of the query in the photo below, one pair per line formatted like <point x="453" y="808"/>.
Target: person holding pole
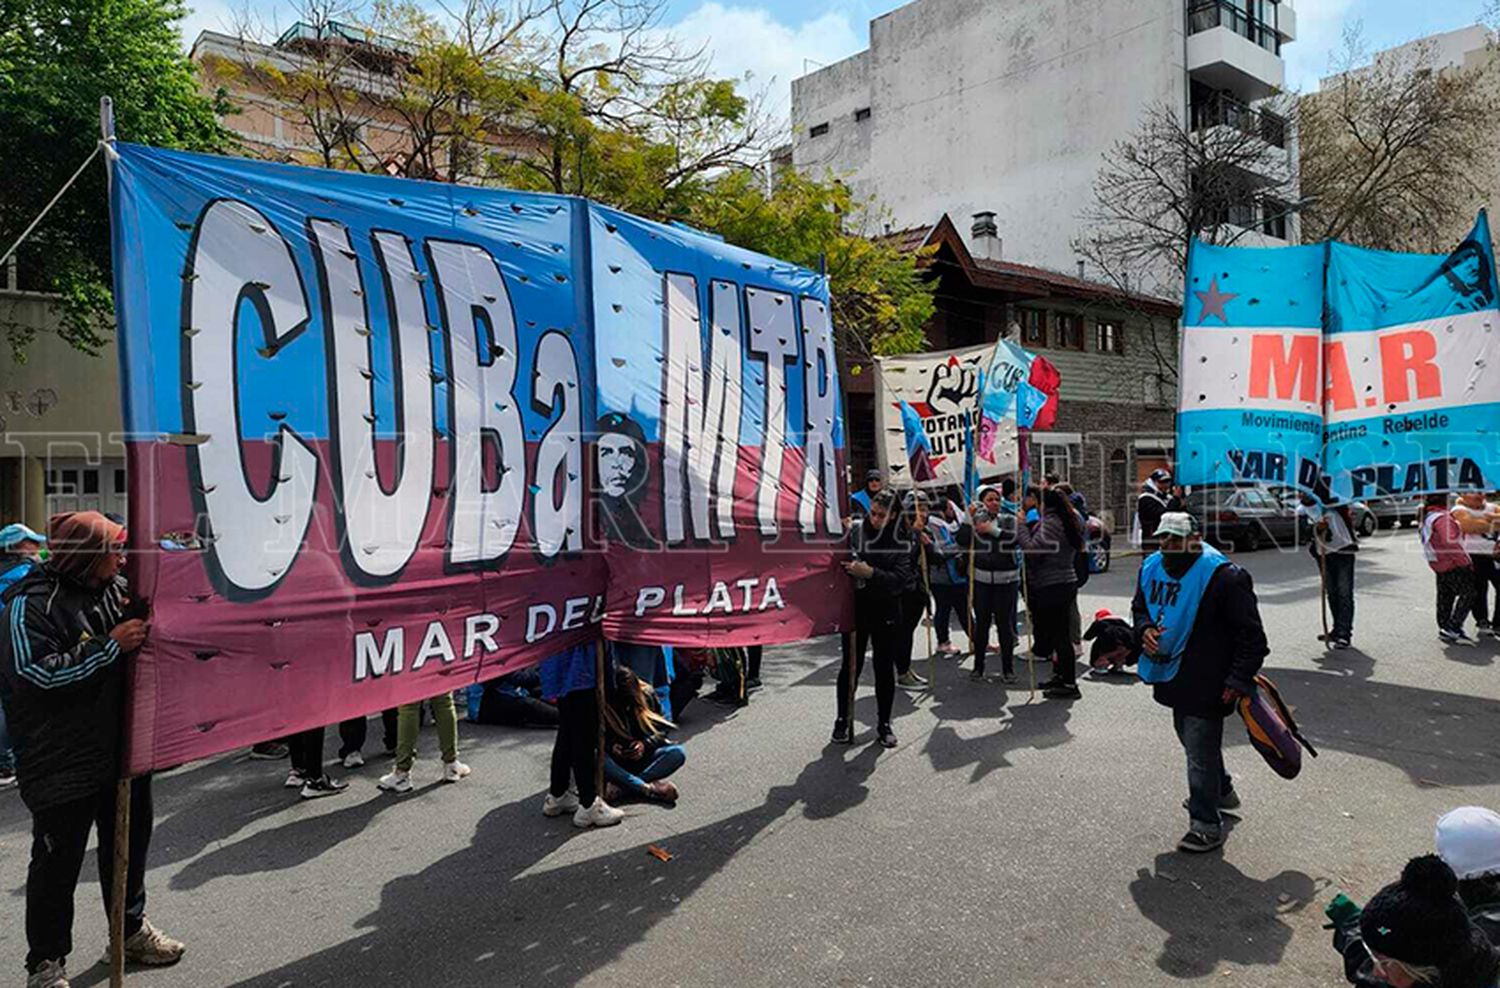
<point x="1334" y="545"/>
<point x="572" y="679"/>
<point x="945" y="575"/>
<point x="881" y="571"/>
<point x="991" y="532"/>
<point x="1051" y="545"/>
<point x="915" y="599"/>
<point x="63" y="682"/>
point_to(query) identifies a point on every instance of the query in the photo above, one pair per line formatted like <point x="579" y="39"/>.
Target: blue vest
<point x="1173" y="603"/>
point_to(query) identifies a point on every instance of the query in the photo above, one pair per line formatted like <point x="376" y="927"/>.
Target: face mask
<point x="1178" y="563"/>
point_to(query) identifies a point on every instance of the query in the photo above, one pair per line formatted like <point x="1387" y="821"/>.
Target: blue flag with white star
<point x="1250" y="405"/>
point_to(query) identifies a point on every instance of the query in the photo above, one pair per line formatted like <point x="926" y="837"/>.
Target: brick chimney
<point x="985" y="236"/>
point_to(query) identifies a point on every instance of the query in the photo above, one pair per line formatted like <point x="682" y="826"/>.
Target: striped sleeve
<point x="39" y="659"/>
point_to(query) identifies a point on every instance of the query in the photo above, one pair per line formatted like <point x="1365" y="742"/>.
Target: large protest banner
<point x="720" y="446"/>
<point x="1413" y="370"/>
<point x="943" y="388"/>
<point x="1343" y="371"/>
<point x="1250" y="404"/>
<point x="361" y="419"/>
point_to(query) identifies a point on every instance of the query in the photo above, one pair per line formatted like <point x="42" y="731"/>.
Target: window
<point x="1057" y="458"/>
<point x="1273" y="222"/>
<point x="1033" y="326"/>
<point x="862" y="115"/>
<point x="1107" y="337"/>
<point x="818" y="131"/>
<point x="1069" y="330"/>
<point x="119" y="481"/>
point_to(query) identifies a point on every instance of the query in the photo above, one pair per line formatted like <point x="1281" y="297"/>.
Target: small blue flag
<point x="918" y="449"/>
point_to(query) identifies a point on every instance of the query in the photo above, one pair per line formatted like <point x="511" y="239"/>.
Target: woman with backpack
<point x="1051" y="548"/>
<point x="1442" y="543"/>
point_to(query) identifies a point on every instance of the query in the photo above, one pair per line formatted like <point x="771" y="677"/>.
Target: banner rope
<point x="48" y="208"/>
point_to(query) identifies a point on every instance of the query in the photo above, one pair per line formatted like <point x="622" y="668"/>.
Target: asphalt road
<point x="1003" y="843"/>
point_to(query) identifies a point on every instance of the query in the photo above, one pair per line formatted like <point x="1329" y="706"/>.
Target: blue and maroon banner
<point x="388" y="437"/>
<point x="1347" y="372"/>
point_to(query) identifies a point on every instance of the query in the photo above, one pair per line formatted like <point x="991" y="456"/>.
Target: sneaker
<point x="150" y="947"/>
<point x="1483" y="625"/>
<point x="1009" y="679"/>
<point x="752" y="683"/>
<point x="1446" y="636"/>
<point x="1489" y="631"/>
<point x="294" y="780"/>
<point x="269" y="751"/>
<point x="355" y="759"/>
<point x="48" y="974"/>
<point x="1194" y="842"/>
<point x="324" y="786"/>
<point x="1101" y="672"/>
<point x="558" y="805"/>
<point x="977" y="675"/>
<point x="841" y="732"/>
<point x="909" y="680"/>
<point x="7" y="778"/>
<point x="1065" y="691"/>
<point x="601" y="814"/>
<point x="661" y="791"/>
<point x="1050" y="684"/>
<point x="949" y="649"/>
<point x="886" y="736"/>
<point x="454" y="770"/>
<point x="1459" y="638"/>
<point x="1341" y="643"/>
<point x="396" y="781"/>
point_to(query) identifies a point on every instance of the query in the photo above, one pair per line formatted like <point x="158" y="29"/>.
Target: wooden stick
<point x="599" y="701"/>
<point x="118" y="884"/>
<point x="927" y="608"/>
<point x="1322" y="590"/>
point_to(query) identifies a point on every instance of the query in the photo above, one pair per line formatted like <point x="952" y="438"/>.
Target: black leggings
<point x="353" y="732"/>
<point x="576" y="751"/>
<point x="307" y="753"/>
<point x="995" y="603"/>
<point x="913" y="606"/>
<point x="1051" y="611"/>
<point x="886" y="641"/>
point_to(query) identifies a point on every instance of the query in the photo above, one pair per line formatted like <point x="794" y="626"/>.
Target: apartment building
<point x="963" y="106"/>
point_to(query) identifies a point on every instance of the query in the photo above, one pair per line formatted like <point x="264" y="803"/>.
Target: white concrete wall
<point x="1004" y="105"/>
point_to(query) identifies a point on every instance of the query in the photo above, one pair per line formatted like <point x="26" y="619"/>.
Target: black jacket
<point x="1150" y="505"/>
<point x="877" y="600"/>
<point x="62" y="681"/>
<point x="1227" y="646"/>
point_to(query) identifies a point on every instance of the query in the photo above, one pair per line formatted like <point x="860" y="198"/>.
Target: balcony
<point x="1228" y="50"/>
<point x="1223" y="110"/>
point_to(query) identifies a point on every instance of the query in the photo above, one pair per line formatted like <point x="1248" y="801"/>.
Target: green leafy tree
<point x="57" y="58"/>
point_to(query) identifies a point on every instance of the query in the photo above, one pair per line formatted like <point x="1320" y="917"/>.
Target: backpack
<point x="1272" y="729"/>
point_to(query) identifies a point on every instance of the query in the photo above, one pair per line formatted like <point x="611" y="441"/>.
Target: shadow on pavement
<point x="1213" y="913"/>
<point x="1436" y="738"/>
<point x="553" y="926"/>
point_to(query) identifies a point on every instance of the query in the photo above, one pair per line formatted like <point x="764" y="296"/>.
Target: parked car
<point x="1243" y="516"/>
<point x="1394" y="512"/>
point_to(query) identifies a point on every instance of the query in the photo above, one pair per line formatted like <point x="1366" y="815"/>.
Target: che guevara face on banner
<point x="621" y="469"/>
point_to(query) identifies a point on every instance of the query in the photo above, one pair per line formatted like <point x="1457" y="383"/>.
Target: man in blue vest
<point x="1202" y="643"/>
<point x="859" y="501"/>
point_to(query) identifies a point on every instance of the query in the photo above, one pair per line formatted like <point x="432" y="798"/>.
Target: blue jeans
<point x="668" y="759"/>
<point x="1203" y="740"/>
<point x="1338" y="569"/>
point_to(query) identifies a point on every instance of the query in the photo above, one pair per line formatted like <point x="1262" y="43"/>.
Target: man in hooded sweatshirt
<point x="71" y="624"/>
<point x="1199" y="629"/>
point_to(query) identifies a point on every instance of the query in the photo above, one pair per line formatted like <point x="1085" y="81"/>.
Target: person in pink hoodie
<point x="1442" y="542"/>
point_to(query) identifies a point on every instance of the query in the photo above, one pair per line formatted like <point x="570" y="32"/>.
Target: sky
<point x="774" y="41"/>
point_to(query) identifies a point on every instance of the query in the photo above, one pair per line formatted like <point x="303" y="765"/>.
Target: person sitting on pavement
<point x="20" y="553"/>
<point x="1202" y="643"/>
<point x="1414" y="932"/>
<point x="638" y="756"/>
<point x="72" y="625"/>
<point x="1114" y="645"/>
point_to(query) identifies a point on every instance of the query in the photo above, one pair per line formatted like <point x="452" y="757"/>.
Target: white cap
<point x="1178" y="523"/>
<point x="1468" y="841"/>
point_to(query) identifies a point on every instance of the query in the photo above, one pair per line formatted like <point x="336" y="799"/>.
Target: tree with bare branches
<point x="1398" y="153"/>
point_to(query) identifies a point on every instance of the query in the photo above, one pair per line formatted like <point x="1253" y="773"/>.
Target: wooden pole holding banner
<point x="1322" y="586"/>
<point x="120" y="861"/>
<point x="599" y="701"/>
<point x="927" y="586"/>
